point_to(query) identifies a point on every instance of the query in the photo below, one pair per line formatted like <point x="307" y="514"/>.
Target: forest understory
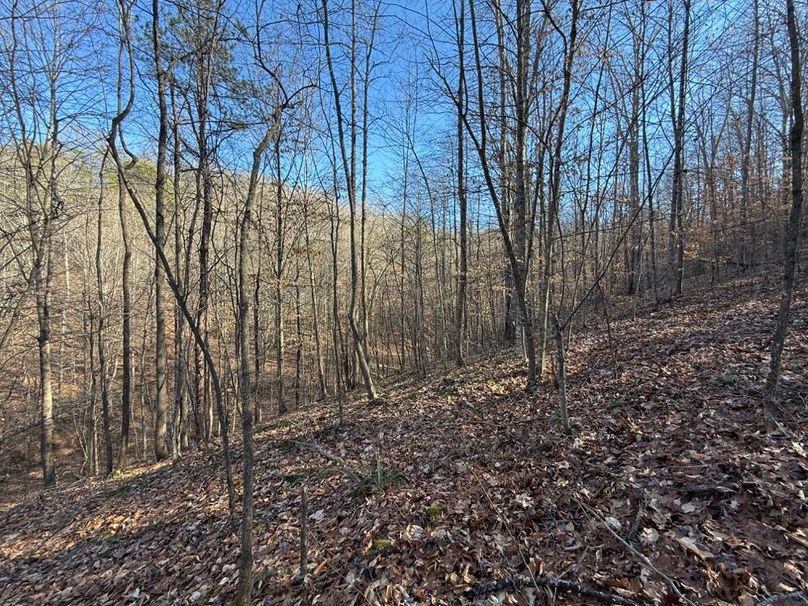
<point x="461" y="488"/>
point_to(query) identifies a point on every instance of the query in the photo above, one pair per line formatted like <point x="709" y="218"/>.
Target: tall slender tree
<point x="791" y="245"/>
<point x="678" y="98"/>
<point x="347" y="151"/>
<point x="161" y="410"/>
<point x="462" y="203"/>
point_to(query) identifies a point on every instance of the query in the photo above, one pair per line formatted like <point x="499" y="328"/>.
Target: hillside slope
<point x="459" y="489"/>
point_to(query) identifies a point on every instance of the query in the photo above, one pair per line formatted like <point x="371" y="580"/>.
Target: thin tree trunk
<point x="43" y="280"/>
<point x="462" y="274"/>
<point x="793" y="228"/>
<point x="299" y="337"/>
<point x="561" y="376"/>
<point x="126" y="331"/>
<point x="650" y="197"/>
<point x="279" y="262"/>
<point x="634" y="242"/>
<point x="126" y="289"/>
<point x="745" y="251"/>
<point x="555" y="185"/>
<point x="180" y="434"/>
<point x="245" y="581"/>
<point x="39" y="216"/>
<point x="45" y="275"/>
<point x="102" y="353"/>
<point x="257" y="353"/>
<point x="337" y="332"/>
<point x="676" y="240"/>
<point x="161" y="396"/>
<point x="349" y="168"/>
<point x="318" y="349"/>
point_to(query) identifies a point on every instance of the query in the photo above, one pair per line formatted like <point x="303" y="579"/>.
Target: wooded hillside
<point x="386" y="250"/>
<point x="461" y="488"/>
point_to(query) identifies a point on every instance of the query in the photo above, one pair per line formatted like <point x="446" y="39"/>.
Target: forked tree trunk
<point x="555" y="183"/>
<point x="561" y="376"/>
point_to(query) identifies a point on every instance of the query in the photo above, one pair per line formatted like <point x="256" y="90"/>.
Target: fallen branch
<point x="544" y="580"/>
<point x="534" y="580"/>
<point x="794" y="595"/>
<point x="349" y="471"/>
<point x="304" y="514"/>
<point x="639" y="555"/>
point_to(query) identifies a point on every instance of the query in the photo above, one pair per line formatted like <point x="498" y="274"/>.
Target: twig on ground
<point x="506" y="524"/>
<point x="534" y="580"/>
<point x="639" y="555"/>
<point x="349" y="471"/>
<point x="544" y="580"/>
<point x="777" y="597"/>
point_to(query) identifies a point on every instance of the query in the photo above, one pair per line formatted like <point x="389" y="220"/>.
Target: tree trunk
<point x="126" y="331"/>
<point x="318" y="348"/>
<point x="555" y="184"/>
<point x="462" y="274"/>
<point x="349" y="169"/>
<point x="793" y="228"/>
<point x="245" y="582"/>
<point x="180" y="435"/>
<point x="161" y="395"/>
<point x="102" y="350"/>
<point x="745" y="250"/>
<point x="279" y="250"/>
<point x="561" y="377"/>
<point x="676" y="239"/>
<point x="257" y="350"/>
<point x="42" y="283"/>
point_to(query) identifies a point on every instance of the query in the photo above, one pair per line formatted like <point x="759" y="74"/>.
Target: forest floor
<point x="462" y="488"/>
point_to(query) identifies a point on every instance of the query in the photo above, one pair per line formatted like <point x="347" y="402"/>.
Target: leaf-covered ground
<point x="669" y="485"/>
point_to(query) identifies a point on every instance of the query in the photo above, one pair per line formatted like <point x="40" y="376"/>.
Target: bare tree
<point x="161" y="450"/>
<point x="41" y="200"/>
<point x="462" y="203"/>
<point x="126" y="287"/>
<point x="101" y="322"/>
<point x="747" y="139"/>
<point x="678" y="98"/>
<point x="199" y="338"/>
<point x="791" y="245"/>
<point x="347" y="151"/>
<point x="244" y="591"/>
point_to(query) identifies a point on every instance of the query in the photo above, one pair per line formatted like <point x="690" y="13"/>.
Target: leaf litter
<point x="461" y="488"/>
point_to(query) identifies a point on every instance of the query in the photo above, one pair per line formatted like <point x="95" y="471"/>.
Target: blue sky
<point x="404" y="85"/>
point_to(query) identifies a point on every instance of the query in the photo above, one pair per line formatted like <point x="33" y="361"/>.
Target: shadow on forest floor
<point x="463" y="479"/>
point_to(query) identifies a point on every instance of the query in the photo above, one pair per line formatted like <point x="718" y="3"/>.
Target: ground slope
<point x="462" y="489"/>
